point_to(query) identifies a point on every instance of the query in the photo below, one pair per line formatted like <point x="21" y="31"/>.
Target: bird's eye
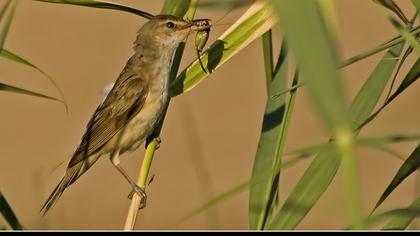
<point x="170" y="25"/>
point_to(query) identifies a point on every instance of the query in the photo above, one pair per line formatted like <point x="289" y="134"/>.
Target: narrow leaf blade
<point x="308" y="190"/>
<point x="99" y="4"/>
<point x="411" y="77"/>
<point x="8" y="214"/>
<point x="7" y="17"/>
<point x="370" y="93"/>
<point x="176" y="7"/>
<point x="408" y="167"/>
<point x="403" y="219"/>
<point x="316" y="57"/>
<point x="18" y="59"/>
<point x="269" y="150"/>
<point x="9" y="88"/>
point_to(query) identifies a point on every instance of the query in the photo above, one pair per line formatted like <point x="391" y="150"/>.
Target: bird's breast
<point x="145" y="121"/>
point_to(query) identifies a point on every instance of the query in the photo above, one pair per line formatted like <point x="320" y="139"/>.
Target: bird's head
<point x="167" y="30"/>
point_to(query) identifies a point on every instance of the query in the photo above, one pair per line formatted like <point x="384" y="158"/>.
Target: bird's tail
<point x="71" y="175"/>
<point x="73" y="172"/>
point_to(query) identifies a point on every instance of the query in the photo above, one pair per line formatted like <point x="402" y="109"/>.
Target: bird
<point x="135" y="104"/>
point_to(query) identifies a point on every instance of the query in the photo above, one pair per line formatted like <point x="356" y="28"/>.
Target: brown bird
<point x="134" y="105"/>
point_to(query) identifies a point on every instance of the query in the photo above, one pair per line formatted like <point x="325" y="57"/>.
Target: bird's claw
<point x="141" y="193"/>
<point x="158" y="142"/>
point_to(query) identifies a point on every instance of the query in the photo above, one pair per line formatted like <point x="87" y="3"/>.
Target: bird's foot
<point x="158" y="141"/>
<point x="141" y="193"/>
<point x="151" y="139"/>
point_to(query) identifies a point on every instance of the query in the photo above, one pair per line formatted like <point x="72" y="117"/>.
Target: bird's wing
<point x="123" y="102"/>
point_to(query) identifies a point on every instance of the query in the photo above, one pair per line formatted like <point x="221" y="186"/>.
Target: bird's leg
<point x="136" y="189"/>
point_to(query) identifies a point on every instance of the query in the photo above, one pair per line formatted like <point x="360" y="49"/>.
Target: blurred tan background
<point x="210" y="135"/>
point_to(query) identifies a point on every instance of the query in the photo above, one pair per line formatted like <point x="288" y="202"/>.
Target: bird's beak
<point x="197" y="25"/>
<point x="187" y="26"/>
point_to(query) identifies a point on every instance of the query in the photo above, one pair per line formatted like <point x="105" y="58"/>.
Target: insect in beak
<point x="202" y="27"/>
<point x="201" y="39"/>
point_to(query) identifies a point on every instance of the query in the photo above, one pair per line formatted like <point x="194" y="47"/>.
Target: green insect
<point x="201" y="38"/>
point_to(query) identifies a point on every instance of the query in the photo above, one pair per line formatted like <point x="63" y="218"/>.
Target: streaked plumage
<point x="134" y="105"/>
